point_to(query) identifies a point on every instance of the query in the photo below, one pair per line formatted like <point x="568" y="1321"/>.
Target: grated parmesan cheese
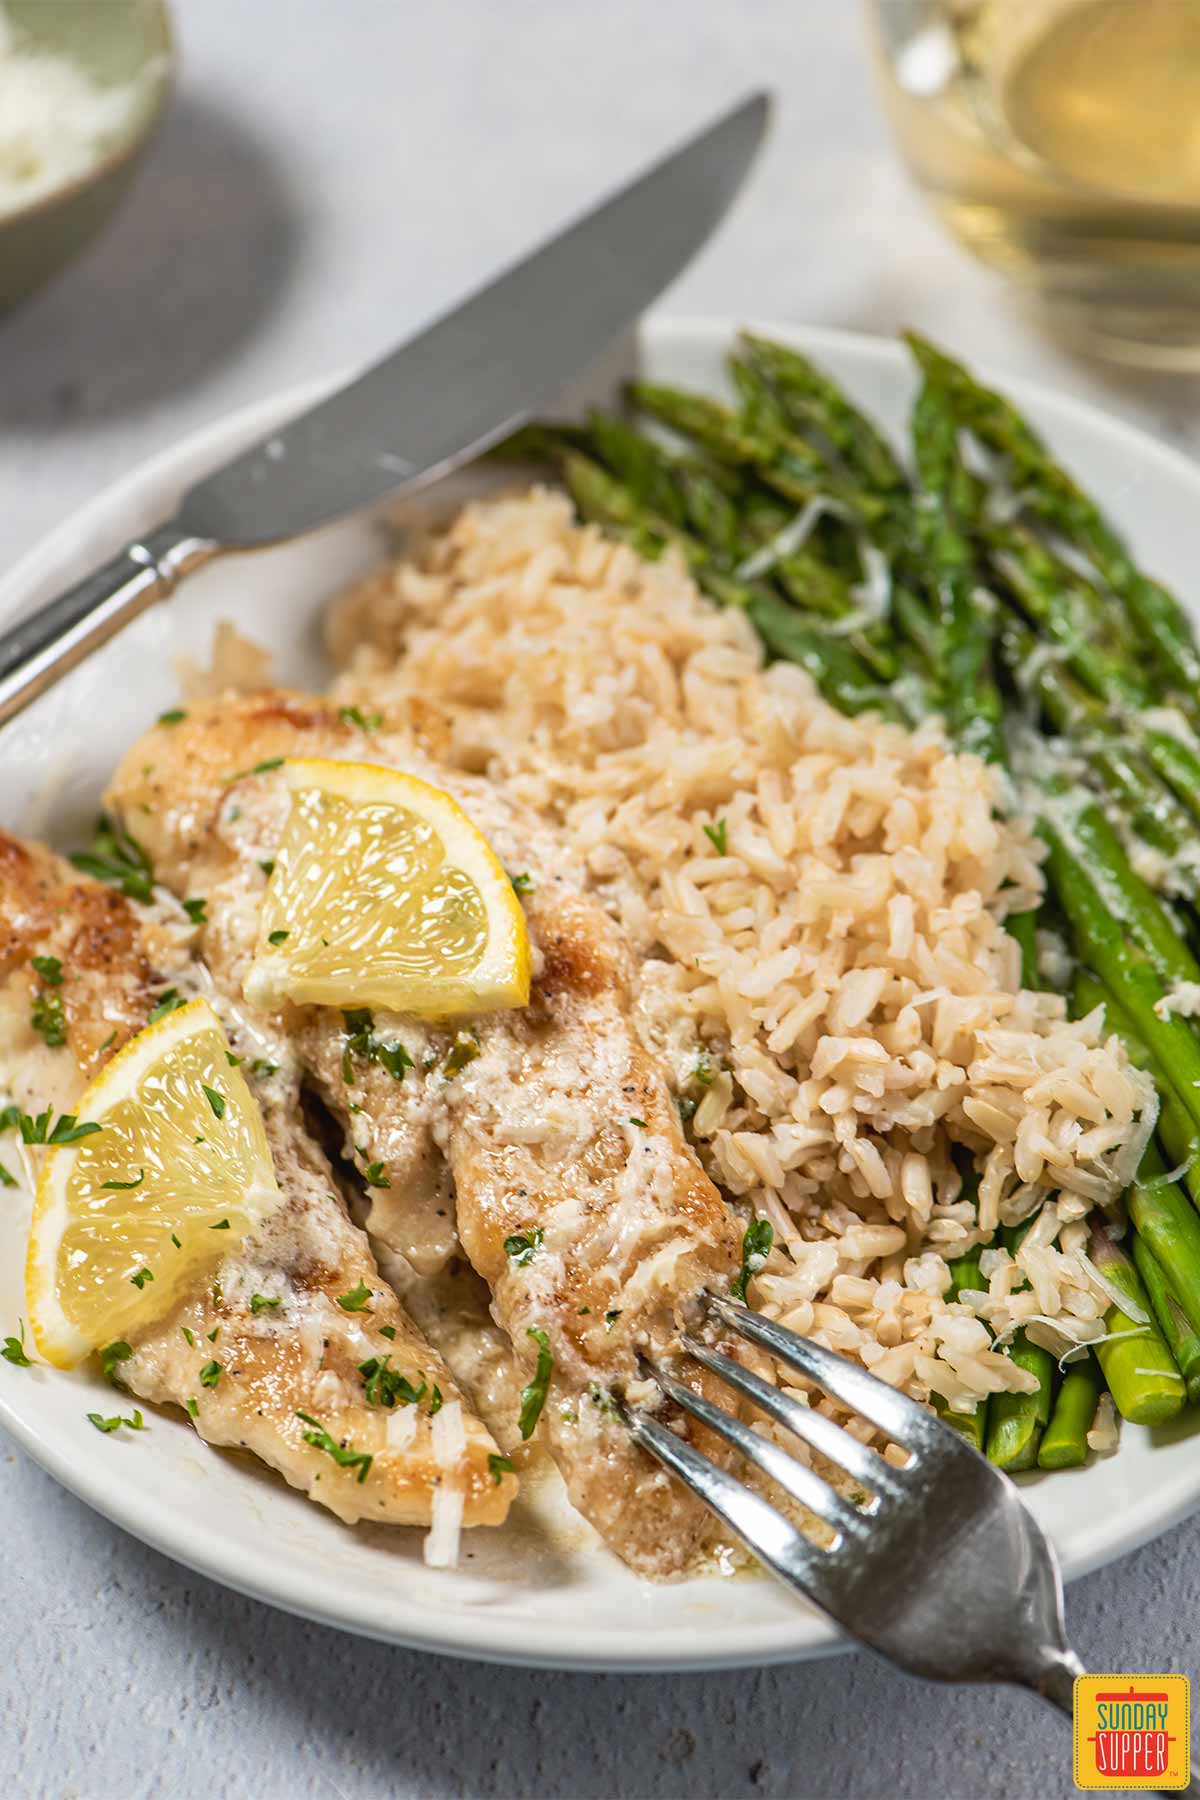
<point x="449" y="1435"/>
<point x="441" y="1543"/>
<point x="56" y="123"/>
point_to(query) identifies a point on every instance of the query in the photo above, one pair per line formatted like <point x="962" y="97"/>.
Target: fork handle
<point x="1056" y="1684"/>
<point x="39" y="649"/>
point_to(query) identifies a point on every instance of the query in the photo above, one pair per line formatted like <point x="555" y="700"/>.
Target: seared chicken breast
<point x="302" y="1354"/>
<point x="555" y="1141"/>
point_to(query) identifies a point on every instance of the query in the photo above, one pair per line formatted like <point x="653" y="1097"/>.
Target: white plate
<point x="517" y="1597"/>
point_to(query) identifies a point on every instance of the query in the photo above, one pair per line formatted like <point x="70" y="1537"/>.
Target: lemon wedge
<point x="385" y="894"/>
<point x="128" y="1217"/>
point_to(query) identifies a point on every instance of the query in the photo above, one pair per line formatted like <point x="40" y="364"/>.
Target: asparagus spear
<point x="1064" y="1442"/>
<point x="1016" y="1421"/>
<point x="1138" y="1366"/>
<point x="1055" y="498"/>
<point x="813" y="402"/>
<point x="1023" y="927"/>
<point x="1177" y="760"/>
<point x="1081" y="823"/>
<point x="1125" y="970"/>
<point x="1150" y="808"/>
<point x="1045" y="594"/>
<point x="783" y="461"/>
<point x="1181" y="1335"/>
<point x="1161" y="1214"/>
<point x="965" y="1273"/>
<point x="974" y="709"/>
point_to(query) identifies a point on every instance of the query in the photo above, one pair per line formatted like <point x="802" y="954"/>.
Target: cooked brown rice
<point x="819" y="902"/>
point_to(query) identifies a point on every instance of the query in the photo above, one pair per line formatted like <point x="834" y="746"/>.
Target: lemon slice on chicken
<point x="383" y="893"/>
<point x="129" y="1216"/>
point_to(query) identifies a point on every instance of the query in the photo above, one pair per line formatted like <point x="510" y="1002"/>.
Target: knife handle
<point x="40" y="649"/>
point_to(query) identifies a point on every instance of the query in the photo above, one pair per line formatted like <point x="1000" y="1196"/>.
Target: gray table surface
<point x="330" y="176"/>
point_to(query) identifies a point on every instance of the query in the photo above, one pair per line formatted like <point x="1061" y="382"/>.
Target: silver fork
<point x="943" y="1570"/>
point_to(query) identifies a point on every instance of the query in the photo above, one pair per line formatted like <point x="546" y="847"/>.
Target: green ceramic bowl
<point x="115" y="41"/>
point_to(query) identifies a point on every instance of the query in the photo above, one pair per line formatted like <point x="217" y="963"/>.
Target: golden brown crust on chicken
<point x="113" y="965"/>
<point x="302" y="1354"/>
<point x="562" y="1125"/>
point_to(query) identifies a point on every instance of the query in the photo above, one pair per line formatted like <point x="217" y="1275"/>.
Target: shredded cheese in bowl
<point x="56" y="121"/>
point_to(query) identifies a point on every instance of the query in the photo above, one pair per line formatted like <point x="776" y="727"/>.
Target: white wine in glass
<point x="1060" y="140"/>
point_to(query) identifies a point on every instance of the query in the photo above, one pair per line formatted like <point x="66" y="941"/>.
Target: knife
<point x="459" y="386"/>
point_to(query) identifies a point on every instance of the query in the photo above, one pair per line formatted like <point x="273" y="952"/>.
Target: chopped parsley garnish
<point x="260" y="1303"/>
<point x="263" y="1068"/>
<point x="640" y="1123"/>
<point x="189" y="1336"/>
<point x="123" y="1187"/>
<point x="600" y="1396"/>
<point x="177" y="1243"/>
<point x="393" y="1057"/>
<point x="262" y="768"/>
<point x="215" y="1100"/>
<point x="118" y="859"/>
<point x="462" y="1051"/>
<point x="610" y="1318"/>
<point x="193" y="1411"/>
<point x="214" y="1334"/>
<point x="50" y="970"/>
<point x="49" y="1020"/>
<point x="756" y="1247"/>
<point x="498" y="1466"/>
<point x="221" y="1225"/>
<point x="387" y="1331"/>
<point x="235" y="1062"/>
<point x="13" y="1349"/>
<point x="374" y="1176"/>
<point x="170" y="1002"/>
<point x="275" y="938"/>
<point x="267" y="865"/>
<point x="141" y="1278"/>
<point x="112" y="1354"/>
<point x="136" y="1423"/>
<point x="354" y="715"/>
<point x="7" y="1178"/>
<point x="9" y="1118"/>
<point x="523" y="1246"/>
<point x="356" y="1299"/>
<point x="718" y="837"/>
<point x="175" y="716"/>
<point x="687" y="1108"/>
<point x="361" y="1041"/>
<point x="344" y="1456"/>
<point x="385" y="1386"/>
<point x="197" y="910"/>
<point x="210" y="1374"/>
<point x="533" y="1397"/>
<point x="435" y="1401"/>
<point x="521" y="884"/>
<point x="65" y="1130"/>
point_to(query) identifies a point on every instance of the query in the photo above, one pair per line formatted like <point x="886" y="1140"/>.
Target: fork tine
<point x="801" y="1483"/>
<point x="905" y="1422"/>
<point x="865" y="1464"/>
<point x="773" y="1539"/>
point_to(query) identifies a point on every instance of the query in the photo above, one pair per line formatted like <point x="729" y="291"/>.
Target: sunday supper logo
<point x="1132" y="1731"/>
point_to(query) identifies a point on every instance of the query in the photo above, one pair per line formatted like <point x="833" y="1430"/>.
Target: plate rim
<point x="63" y="553"/>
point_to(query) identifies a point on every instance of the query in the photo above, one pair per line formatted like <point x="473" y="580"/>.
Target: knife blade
<point x="459" y="386"/>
